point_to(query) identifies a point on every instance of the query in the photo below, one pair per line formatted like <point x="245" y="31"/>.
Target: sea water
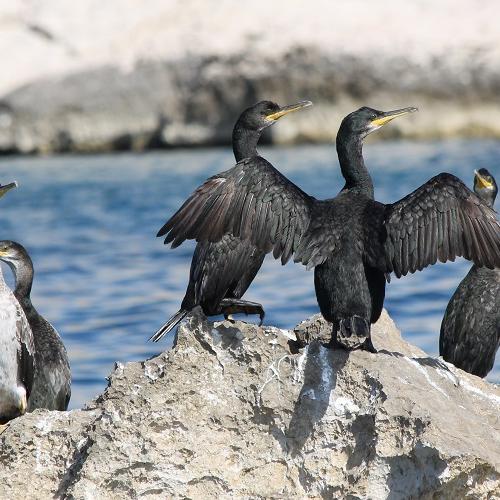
<point x="107" y="283"/>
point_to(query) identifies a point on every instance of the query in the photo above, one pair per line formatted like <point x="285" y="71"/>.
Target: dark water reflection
<point x="106" y="282"/>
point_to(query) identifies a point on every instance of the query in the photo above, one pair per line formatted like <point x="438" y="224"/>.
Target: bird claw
<point x="262" y="315"/>
<point x="232" y="306"/>
<point x="368" y="346"/>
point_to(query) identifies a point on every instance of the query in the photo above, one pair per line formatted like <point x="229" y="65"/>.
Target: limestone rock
<point x="229" y="412"/>
<point x="169" y="73"/>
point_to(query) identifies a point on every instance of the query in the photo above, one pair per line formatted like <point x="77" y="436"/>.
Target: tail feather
<point x="176" y="318"/>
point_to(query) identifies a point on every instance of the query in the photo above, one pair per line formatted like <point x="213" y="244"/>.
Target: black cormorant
<point x="470" y="331"/>
<point x="17" y="364"/>
<point x="221" y="271"/>
<point x="352" y="240"/>
<point x="52" y="384"/>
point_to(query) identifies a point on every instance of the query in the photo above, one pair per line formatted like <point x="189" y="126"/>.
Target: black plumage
<point x="470" y="330"/>
<point x="222" y="270"/>
<point x="52" y="376"/>
<point x="352" y="240"/>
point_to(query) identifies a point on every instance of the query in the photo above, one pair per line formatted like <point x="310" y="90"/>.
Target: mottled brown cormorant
<point x="352" y="240"/>
<point x="221" y="271"/>
<point x="52" y="384"/>
<point x="470" y="331"/>
<point x="17" y="362"/>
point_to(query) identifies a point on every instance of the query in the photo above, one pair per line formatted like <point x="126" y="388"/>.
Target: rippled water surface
<point x="106" y="282"/>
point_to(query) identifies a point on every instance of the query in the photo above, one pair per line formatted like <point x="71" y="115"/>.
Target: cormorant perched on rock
<point x="17" y="362"/>
<point x="351" y="240"/>
<point x="470" y="331"/>
<point x="221" y="271"/>
<point x="52" y="384"/>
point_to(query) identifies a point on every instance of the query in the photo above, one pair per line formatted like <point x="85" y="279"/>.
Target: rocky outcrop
<point x="179" y="72"/>
<point x="231" y="412"/>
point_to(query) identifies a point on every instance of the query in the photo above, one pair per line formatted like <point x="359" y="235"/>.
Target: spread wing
<point x="323" y="236"/>
<point x="442" y="219"/>
<point x="252" y="201"/>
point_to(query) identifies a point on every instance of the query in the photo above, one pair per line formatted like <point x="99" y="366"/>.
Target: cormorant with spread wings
<point x="222" y="270"/>
<point x="351" y="240"/>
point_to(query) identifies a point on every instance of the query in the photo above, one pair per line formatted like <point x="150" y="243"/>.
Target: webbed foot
<point x="232" y="306"/>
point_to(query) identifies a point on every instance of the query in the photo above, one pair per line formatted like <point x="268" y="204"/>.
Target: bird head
<point x="11" y="252"/>
<point x="266" y="113"/>
<point x="366" y="120"/>
<point x="485" y="186"/>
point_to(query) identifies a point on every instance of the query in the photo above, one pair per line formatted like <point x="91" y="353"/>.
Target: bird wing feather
<point x="26" y="350"/>
<point x="252" y="201"/>
<point x="470" y="330"/>
<point x="441" y="219"/>
<point x="323" y="236"/>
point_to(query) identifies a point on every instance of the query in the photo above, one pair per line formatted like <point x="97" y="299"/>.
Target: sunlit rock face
<point x="231" y="412"/>
<point x="170" y="73"/>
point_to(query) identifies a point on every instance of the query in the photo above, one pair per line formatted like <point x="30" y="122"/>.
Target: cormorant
<point x="470" y="331"/>
<point x="222" y="271"/>
<point x="352" y="240"/>
<point x="52" y="384"/>
<point x="17" y="362"/>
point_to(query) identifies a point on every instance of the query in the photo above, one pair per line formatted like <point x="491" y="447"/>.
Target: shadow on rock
<point x="228" y="337"/>
<point x="433" y="363"/>
<point x="420" y="472"/>
<point x="391" y="353"/>
<point x="320" y="379"/>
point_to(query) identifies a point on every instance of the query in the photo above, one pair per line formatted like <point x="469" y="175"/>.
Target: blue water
<point x="106" y="282"/>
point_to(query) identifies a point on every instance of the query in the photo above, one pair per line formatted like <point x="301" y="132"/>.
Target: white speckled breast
<point x="14" y="329"/>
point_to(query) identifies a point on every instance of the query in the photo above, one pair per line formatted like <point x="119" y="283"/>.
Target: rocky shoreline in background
<point x="195" y="103"/>
<point x="232" y="411"/>
<point x="146" y="82"/>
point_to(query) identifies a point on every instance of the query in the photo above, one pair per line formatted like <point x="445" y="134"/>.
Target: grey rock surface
<point x="196" y="101"/>
<point x="229" y="412"/>
<point x="178" y="73"/>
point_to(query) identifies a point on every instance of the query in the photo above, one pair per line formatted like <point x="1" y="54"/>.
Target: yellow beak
<point x="390" y="115"/>
<point x="483" y="183"/>
<point x="289" y="109"/>
<point x="7" y="187"/>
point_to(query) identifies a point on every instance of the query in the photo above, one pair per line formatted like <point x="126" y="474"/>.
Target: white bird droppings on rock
<point x="271" y="424"/>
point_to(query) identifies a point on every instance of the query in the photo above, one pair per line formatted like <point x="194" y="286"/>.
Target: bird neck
<point x="23" y="273"/>
<point x="245" y="141"/>
<point x="490" y="198"/>
<point x="352" y="165"/>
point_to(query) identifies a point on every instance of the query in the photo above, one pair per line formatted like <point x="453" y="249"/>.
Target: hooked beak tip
<point x="289" y="109"/>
